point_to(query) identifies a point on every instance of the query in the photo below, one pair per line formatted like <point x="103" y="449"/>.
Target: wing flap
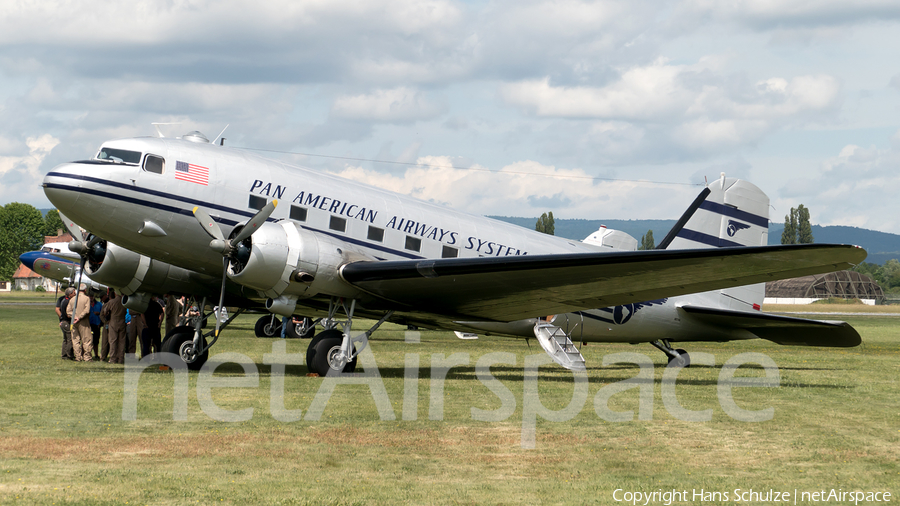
<point x="513" y="288"/>
<point x="783" y="330"/>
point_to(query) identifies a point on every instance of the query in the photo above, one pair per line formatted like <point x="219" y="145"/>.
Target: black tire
<point x="683" y="359"/>
<point x="268" y="326"/>
<point x="291" y="330"/>
<point x="178" y="341"/>
<point x="321" y="348"/>
<point x="311" y="349"/>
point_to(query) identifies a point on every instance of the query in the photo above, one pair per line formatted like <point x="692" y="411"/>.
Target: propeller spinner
<point x="231" y="249"/>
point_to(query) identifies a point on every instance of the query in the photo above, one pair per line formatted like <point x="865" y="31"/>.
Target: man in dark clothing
<point x="152" y="320"/>
<point x="61" y="304"/>
<point x="114" y="313"/>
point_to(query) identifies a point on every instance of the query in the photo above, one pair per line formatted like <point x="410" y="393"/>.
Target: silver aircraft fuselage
<point x="123" y="202"/>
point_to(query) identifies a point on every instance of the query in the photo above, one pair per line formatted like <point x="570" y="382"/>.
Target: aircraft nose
<point x="29" y="258"/>
<point x="61" y="184"/>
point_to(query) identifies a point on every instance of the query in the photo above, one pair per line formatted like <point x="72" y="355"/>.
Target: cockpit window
<point x="154" y="164"/>
<point x="119" y="156"/>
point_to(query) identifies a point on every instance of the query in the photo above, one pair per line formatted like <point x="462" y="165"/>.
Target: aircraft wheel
<point x="292" y="330"/>
<point x="268" y="326"/>
<point x="682" y="360"/>
<point x="162" y="345"/>
<point x="180" y="342"/>
<point x="323" y="351"/>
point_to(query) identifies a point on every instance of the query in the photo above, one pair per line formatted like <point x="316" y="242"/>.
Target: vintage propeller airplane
<point x="295" y="241"/>
<point x="56" y="261"/>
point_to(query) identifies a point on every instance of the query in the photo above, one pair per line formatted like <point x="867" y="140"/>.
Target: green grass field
<point x="63" y="439"/>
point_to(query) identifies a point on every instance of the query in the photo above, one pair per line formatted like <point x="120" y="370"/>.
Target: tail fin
<point x="728" y="213"/>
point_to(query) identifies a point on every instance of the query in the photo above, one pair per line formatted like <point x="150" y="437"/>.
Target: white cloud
<point x="645" y="93"/>
<point x="398" y="105"/>
<point x="661" y="91"/>
<point x="858" y="187"/>
<point x="703" y="110"/>
<point x="88" y="22"/>
<point x="20" y="175"/>
<point x="528" y="189"/>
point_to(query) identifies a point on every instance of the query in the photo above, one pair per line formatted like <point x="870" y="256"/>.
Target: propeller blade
<point x="254" y="223"/>
<point x="211" y="227"/>
<point x="218" y="310"/>
<point x="73" y="229"/>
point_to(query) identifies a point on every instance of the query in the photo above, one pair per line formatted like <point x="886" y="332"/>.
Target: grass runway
<point x="63" y="440"/>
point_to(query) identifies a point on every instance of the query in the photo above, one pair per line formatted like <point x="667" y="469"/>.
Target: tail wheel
<point x="180" y="342"/>
<point x="324" y="353"/>
<point x="682" y="360"/>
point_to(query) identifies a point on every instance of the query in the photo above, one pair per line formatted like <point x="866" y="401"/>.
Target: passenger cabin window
<point x="337" y="223"/>
<point x="256" y="202"/>
<point x="298" y="213"/>
<point x="119" y="156"/>
<point x="376" y="234"/>
<point x="449" y="252"/>
<point x="413" y="243"/>
<point x="154" y="164"/>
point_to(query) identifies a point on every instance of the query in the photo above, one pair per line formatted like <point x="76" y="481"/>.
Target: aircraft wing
<point x="514" y="288"/>
<point x="781" y="329"/>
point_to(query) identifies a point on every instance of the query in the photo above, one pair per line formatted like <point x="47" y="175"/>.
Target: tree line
<point x="22" y="229"/>
<point x="887" y="276"/>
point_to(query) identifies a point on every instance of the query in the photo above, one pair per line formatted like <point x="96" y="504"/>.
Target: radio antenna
<point x="220" y="133"/>
<point x="158" y="131"/>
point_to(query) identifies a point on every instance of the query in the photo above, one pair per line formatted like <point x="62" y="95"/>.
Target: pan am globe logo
<point x="734" y="226"/>
<point x="621" y="314"/>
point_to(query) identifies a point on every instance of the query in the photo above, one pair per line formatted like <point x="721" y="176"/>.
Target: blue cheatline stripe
<point x="133" y="200"/>
<point x="155" y="193"/>
<point x="707" y="239"/>
<point x="732" y="212"/>
<point x="186" y="212"/>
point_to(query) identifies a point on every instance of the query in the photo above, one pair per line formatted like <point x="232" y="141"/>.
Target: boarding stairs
<point x="559" y="346"/>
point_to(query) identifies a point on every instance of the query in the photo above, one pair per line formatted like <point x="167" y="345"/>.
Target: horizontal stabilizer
<point x="783" y="330"/>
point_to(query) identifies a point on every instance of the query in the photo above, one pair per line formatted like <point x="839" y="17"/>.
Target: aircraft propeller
<point x="87" y="251"/>
<point x="232" y="249"/>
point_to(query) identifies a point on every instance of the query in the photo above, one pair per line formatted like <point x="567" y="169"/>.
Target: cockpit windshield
<point x="119" y="155"/>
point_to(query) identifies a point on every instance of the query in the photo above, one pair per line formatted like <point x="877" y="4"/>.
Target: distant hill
<point x="881" y="246"/>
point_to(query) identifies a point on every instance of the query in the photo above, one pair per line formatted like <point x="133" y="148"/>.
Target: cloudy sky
<point x="599" y="110"/>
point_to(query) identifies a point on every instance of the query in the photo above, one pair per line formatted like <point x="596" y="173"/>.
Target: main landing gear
<point x="270" y="326"/>
<point x="190" y="343"/>
<point x="336" y="350"/>
<point x="333" y="349"/>
<point x="678" y="358"/>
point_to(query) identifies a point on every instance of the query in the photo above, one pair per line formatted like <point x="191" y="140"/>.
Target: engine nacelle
<point x="288" y="260"/>
<point x="130" y="272"/>
<point x="136" y="302"/>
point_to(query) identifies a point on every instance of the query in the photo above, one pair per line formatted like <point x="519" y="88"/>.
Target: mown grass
<point x="28" y="296"/>
<point x="63" y="439"/>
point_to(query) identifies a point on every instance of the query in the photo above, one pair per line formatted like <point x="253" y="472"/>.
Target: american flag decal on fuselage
<point x="192" y="173"/>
